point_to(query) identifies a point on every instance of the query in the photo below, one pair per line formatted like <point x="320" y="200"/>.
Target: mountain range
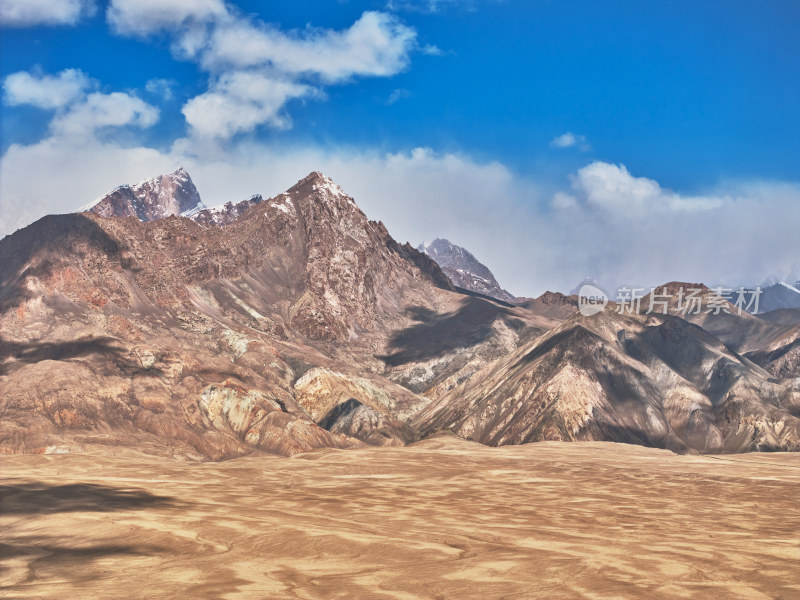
<point x="291" y="323"/>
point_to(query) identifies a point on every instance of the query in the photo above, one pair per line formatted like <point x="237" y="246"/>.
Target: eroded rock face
<point x="301" y="324"/>
<point x="656" y="380"/>
<point x="186" y="339"/>
<point x="157" y="198"/>
<point x="225" y="214"/>
<point x="356" y="406"/>
<point x="464" y="270"/>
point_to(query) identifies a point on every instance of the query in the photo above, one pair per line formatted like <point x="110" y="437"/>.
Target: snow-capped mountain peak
<point x="150" y="199"/>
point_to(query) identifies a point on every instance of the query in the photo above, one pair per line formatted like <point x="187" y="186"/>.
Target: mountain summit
<point x="463" y="269"/>
<point x="151" y="199"/>
<point x="294" y="326"/>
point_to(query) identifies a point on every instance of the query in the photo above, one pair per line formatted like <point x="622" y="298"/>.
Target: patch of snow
<point x="154" y="182"/>
<point x="331" y="189"/>
<point x="192" y="211"/>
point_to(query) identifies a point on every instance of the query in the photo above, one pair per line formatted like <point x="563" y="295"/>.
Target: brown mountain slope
<point x="658" y="381"/>
<point x="770" y="340"/>
<point x="301" y="324"/>
<point x="194" y="340"/>
<point x="553" y="305"/>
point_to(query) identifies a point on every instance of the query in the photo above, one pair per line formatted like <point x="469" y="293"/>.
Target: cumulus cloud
<point x="240" y="101"/>
<point x="377" y="44"/>
<point x="563" y="201"/>
<point x="612" y="188"/>
<point x="31" y="13"/>
<point x="631" y="231"/>
<point x="45" y="91"/>
<point x="98" y="110"/>
<point x="570" y="140"/>
<point x="144" y="17"/>
<point x="78" y="113"/>
<point x="282" y="65"/>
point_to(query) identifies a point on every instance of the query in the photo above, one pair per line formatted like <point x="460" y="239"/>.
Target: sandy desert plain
<point x="443" y="518"/>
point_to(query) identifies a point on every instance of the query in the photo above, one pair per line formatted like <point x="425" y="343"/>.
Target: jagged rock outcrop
<point x="181" y="338"/>
<point x="226" y="213"/>
<point x="464" y="270"/>
<point x="157" y="198"/>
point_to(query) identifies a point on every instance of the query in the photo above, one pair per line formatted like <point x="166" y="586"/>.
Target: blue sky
<point x="529" y="122"/>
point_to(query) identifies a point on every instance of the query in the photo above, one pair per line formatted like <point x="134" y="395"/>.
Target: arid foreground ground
<point x="442" y="519"/>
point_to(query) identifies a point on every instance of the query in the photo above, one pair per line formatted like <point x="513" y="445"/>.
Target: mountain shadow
<point x="437" y="334"/>
<point x="33" y="352"/>
<point x="32" y="498"/>
<point x="35" y="250"/>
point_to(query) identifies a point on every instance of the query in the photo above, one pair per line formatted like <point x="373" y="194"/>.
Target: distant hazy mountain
<point x="780" y="295"/>
<point x="463" y="269"/>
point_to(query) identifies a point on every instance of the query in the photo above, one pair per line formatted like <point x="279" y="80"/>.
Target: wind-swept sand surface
<point x="441" y="519"/>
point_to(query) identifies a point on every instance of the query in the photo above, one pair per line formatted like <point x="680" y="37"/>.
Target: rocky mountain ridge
<point x="291" y="323"/>
<point x="156" y="198"/>
<point x="464" y="270"/>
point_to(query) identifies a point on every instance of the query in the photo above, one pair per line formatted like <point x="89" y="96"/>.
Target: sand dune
<point x="440" y="519"/>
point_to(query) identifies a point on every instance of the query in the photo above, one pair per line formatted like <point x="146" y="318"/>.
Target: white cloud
<point x="284" y="65"/>
<point x="45" y="91"/>
<point x="738" y="233"/>
<point x="397" y="95"/>
<point x="77" y="112"/>
<point x="144" y="17"/>
<point x="160" y="87"/>
<point x="612" y="188"/>
<point x="377" y="44"/>
<point x="570" y="140"/>
<point x="98" y="110"/>
<point x="563" y="201"/>
<point x="239" y="102"/>
<point x="30" y="13"/>
<point x="626" y="230"/>
<point x="433" y="50"/>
